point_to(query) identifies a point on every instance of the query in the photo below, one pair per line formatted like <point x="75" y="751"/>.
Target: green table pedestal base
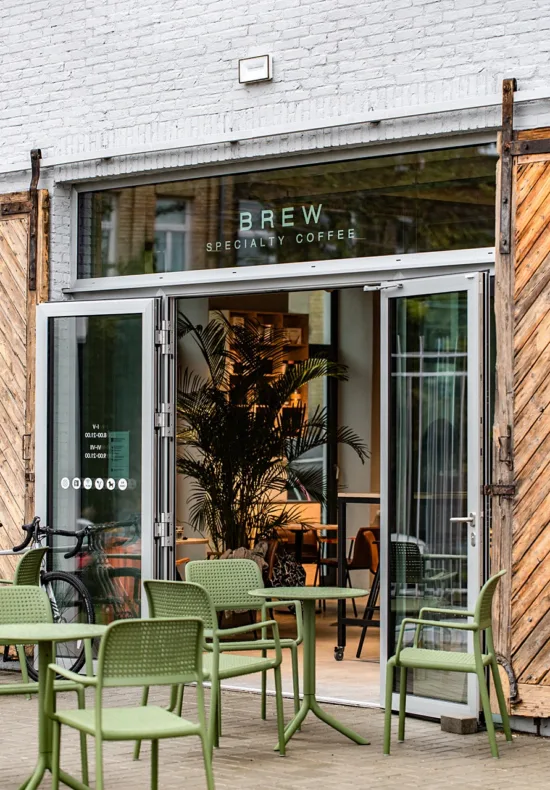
<point x="309" y="702"/>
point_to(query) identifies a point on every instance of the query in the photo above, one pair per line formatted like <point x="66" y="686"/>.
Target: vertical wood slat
<point x="17" y="364"/>
<point x="501" y="547"/>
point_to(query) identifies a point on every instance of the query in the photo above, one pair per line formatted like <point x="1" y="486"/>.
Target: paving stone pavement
<point x="317" y="757"/>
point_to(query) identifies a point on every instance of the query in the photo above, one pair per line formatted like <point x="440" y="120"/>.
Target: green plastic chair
<point x="27" y="573"/>
<point x="166" y="599"/>
<point x="25" y="604"/>
<point x="228" y="583"/>
<point x="416" y="657"/>
<point x="137" y="653"/>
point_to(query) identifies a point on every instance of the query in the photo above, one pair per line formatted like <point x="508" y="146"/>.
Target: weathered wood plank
<point x="526" y="237"/>
<point x="536" y="407"/>
<point x="523" y="624"/>
<point x="501" y="544"/>
<point x="541" y="133"/>
<point x="530" y="353"/>
<point x="532" y="659"/>
<point x="533" y="201"/>
<point x="527" y="177"/>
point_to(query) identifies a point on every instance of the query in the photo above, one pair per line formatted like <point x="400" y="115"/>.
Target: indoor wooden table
<point x="45" y="635"/>
<point x="299" y="529"/>
<point x="308" y="596"/>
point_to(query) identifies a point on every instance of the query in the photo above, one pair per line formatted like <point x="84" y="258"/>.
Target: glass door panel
<point x="94" y="434"/>
<point x="432" y="469"/>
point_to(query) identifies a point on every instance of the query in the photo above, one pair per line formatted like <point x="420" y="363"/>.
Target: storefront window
<point x="420" y="202"/>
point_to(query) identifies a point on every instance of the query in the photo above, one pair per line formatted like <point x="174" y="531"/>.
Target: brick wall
<point x="82" y="75"/>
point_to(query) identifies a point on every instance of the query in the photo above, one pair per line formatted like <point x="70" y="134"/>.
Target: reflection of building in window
<point x="109" y="212"/>
<point x="257" y="245"/>
<point x="172" y="232"/>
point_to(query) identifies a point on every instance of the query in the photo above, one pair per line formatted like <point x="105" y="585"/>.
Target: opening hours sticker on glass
<point x="119" y="454"/>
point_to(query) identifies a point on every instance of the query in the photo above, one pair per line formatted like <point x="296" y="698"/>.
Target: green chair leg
<point x="295" y="678"/>
<point x="144" y="701"/>
<point x="486" y="705"/>
<point x="83" y="740"/>
<point x="501" y="701"/>
<point x="280" y="710"/>
<point x="264" y="694"/>
<point x="402" y="703"/>
<point x="99" y="763"/>
<point x="56" y="754"/>
<point x="207" y="757"/>
<point x="179" y="699"/>
<point x="23" y="664"/>
<point x="219" y="713"/>
<point x="387" y="712"/>
<point x="154" y="765"/>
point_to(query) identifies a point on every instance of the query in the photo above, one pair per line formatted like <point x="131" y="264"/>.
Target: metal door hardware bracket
<point x="163" y="338"/>
<point x="163" y="420"/>
<point x="505" y="448"/>
<point x="507" y="134"/>
<point x="382" y="286"/>
<point x="500" y="490"/>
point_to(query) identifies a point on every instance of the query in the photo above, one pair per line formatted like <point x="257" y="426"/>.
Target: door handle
<point x="470" y="519"/>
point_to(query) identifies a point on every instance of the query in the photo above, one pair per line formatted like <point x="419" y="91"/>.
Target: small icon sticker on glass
<point x="99" y="483"/>
<point x="76" y="483"/>
<point x="87" y="483"/>
<point x="111" y="484"/>
<point x="122" y="484"/>
<point x="65" y="483"/>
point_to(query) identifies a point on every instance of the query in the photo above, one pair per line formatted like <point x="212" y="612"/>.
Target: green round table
<point x="308" y="596"/>
<point x="45" y="635"/>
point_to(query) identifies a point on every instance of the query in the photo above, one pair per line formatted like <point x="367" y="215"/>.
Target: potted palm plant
<point x="238" y="442"/>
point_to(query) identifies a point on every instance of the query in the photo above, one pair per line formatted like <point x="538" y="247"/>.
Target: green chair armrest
<point x="420" y="623"/>
<point x="448" y="612"/>
<point x="6" y="581"/>
<point x="299" y="616"/>
<point x="243" y="629"/>
<point x="84" y="680"/>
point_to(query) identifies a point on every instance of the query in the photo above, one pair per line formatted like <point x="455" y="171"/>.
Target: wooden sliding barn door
<point x="521" y="509"/>
<point x="19" y="295"/>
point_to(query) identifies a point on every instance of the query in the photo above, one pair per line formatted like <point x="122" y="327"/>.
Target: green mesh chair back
<point x="228" y="582"/>
<point x="406" y="562"/>
<point x="180" y="599"/>
<point x="484" y="603"/>
<point x="21" y="604"/>
<point x="28" y="567"/>
<point x="151" y="653"/>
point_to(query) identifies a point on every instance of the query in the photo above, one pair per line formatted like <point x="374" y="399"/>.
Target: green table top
<point x="309" y="593"/>
<point x="32" y="633"/>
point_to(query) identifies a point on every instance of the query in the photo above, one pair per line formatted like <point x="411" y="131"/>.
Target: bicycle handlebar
<point x="30" y="530"/>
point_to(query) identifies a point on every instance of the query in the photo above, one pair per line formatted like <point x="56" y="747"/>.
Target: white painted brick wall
<point x="82" y="75"/>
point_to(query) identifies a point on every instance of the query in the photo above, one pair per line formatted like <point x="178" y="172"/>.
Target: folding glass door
<point x="432" y="470"/>
<point x="98" y="453"/>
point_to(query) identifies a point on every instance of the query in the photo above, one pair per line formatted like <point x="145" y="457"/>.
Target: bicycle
<point x="69" y="598"/>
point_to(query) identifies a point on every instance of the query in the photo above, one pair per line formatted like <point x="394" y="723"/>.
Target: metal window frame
<point x="258" y="164"/>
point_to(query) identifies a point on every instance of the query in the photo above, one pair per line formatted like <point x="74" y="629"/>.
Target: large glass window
<point x="419" y="202"/>
<point x="95" y="454"/>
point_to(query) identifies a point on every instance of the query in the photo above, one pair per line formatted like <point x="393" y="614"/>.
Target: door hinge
<point x="11" y="209"/>
<point x="164" y="421"/>
<point x="505" y="448"/>
<point x="500" y="489"/>
<point x="162" y="529"/>
<point x="164" y="339"/>
<point x="26" y="449"/>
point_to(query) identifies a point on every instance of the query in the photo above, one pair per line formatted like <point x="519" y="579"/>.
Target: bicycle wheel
<point x="71" y="603"/>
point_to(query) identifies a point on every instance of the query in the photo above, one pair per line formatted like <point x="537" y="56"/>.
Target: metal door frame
<point x="475" y="285"/>
<point x="146" y="308"/>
